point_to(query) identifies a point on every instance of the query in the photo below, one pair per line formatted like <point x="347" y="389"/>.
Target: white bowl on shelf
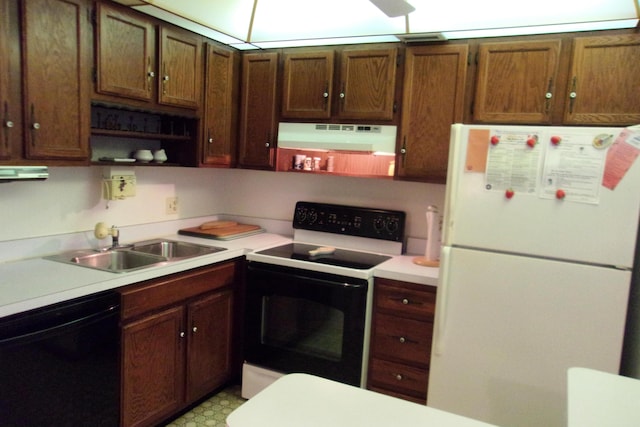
<point x="159" y="156"/>
<point x="143" y="156"/>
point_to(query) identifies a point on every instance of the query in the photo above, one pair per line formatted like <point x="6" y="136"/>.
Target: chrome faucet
<point x="115" y="236"/>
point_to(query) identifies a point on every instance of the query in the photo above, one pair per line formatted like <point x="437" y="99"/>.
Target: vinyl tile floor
<point x="212" y="412"/>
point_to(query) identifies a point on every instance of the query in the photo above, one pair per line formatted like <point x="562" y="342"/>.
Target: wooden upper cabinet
<point x="180" y="66"/>
<point x="146" y="63"/>
<point x="56" y="52"/>
<point x="433" y="99"/>
<point x="515" y="82"/>
<point x="604" y="87"/>
<point x="257" y="141"/>
<point x="125" y="54"/>
<point x="367" y="84"/>
<point x="220" y="117"/>
<point x="308" y="84"/>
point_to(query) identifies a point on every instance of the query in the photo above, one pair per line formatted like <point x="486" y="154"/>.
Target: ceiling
<point x="251" y="24"/>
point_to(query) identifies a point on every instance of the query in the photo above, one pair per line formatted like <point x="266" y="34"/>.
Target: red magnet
<point x="560" y="194"/>
<point x="509" y="193"/>
<point x="532" y="140"/>
<point x="555" y="140"/>
<point x="495" y="139"/>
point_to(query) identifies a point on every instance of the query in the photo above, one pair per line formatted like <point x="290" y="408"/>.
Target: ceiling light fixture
<point x="393" y="8"/>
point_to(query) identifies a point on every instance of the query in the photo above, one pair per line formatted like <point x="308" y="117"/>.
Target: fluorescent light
<point x="327" y="42"/>
<point x="541" y="29"/>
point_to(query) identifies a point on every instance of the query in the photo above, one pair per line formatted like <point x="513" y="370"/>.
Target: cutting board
<point x="223" y="233"/>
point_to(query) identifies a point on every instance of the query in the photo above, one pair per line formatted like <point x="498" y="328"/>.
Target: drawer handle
<point x="403" y="340"/>
<point x="406" y="301"/>
<point x="399" y="377"/>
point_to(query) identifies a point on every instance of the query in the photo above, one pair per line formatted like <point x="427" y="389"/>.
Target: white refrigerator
<point x="539" y="231"/>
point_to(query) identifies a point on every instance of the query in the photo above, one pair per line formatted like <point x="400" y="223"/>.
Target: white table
<point x="297" y="400"/>
<point x="598" y="399"/>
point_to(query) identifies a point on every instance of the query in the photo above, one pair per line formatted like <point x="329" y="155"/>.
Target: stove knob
<point x="393" y="225"/>
<point x="313" y="217"/>
<point x="379" y="224"/>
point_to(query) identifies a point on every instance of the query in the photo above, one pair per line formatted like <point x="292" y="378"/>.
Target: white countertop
<point x="296" y="400"/>
<point x="35" y="282"/>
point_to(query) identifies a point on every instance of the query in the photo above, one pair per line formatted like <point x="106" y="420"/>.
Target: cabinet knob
<point x="548" y="95"/>
<point x="405" y="301"/>
<point x="151" y="74"/>
<point x="182" y="334"/>
<point x="194" y="329"/>
<point x="325" y="95"/>
<point x="572" y="95"/>
<point x="165" y="78"/>
<point x="267" y="144"/>
<point x="402" y="340"/>
<point x="399" y="377"/>
<point x="8" y="124"/>
<point x="36" y="126"/>
<point x="210" y="140"/>
<point x="341" y="95"/>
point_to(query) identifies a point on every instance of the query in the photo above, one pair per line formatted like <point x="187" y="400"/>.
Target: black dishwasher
<point x="59" y="365"/>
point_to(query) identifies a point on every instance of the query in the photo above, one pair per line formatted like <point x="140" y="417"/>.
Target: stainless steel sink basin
<point x="174" y="250"/>
<point x="135" y="257"/>
<point x="116" y="261"/>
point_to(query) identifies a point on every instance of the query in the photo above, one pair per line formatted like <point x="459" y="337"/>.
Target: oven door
<point x="305" y="321"/>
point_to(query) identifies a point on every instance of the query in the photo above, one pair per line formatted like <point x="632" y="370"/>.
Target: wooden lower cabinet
<point x="401" y="335"/>
<point x="176" y="341"/>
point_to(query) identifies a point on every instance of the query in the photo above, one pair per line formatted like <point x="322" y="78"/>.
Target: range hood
<point x="23" y="173"/>
<point x="377" y="139"/>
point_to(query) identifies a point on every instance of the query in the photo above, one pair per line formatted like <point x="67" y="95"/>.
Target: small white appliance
<point x="539" y="233"/>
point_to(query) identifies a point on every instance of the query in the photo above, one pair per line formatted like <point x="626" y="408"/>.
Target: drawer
<point x="158" y="293"/>
<point x="402" y="339"/>
<point x="399" y="378"/>
<point x="407" y="299"/>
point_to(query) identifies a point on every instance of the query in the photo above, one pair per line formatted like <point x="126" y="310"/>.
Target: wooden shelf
<point x="139" y="135"/>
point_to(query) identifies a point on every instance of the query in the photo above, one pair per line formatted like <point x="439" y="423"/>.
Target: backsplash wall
<point x="71" y="199"/>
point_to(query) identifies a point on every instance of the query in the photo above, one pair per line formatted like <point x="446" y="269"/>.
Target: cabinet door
<point x="433" y="100"/>
<point x="603" y="85"/>
<point x="219" y="109"/>
<point x="56" y="49"/>
<point x="258" y="110"/>
<point x="209" y="349"/>
<point x="308" y="79"/>
<point x="7" y="123"/>
<point x="515" y="82"/>
<point x="367" y="84"/>
<point x="125" y="54"/>
<point x="180" y="68"/>
<point x="152" y="367"/>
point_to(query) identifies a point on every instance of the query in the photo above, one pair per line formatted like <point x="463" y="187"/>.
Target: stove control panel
<point x="350" y="220"/>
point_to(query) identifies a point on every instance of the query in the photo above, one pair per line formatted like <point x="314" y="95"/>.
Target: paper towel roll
<point x="432" y="252"/>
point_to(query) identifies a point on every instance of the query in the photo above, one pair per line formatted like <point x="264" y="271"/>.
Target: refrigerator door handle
<point x="441" y="302"/>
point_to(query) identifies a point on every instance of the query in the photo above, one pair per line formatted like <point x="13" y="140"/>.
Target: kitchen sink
<point x="134" y="257"/>
<point x="116" y="260"/>
<point x="174" y="250"/>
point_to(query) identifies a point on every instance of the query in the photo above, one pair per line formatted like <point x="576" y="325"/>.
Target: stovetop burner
<point x="341" y="257"/>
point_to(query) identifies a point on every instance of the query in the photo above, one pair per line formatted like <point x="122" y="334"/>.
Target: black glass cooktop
<point x="341" y="257"/>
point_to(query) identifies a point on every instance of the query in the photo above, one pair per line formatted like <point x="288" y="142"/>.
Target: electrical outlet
<point x="172" y="205"/>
